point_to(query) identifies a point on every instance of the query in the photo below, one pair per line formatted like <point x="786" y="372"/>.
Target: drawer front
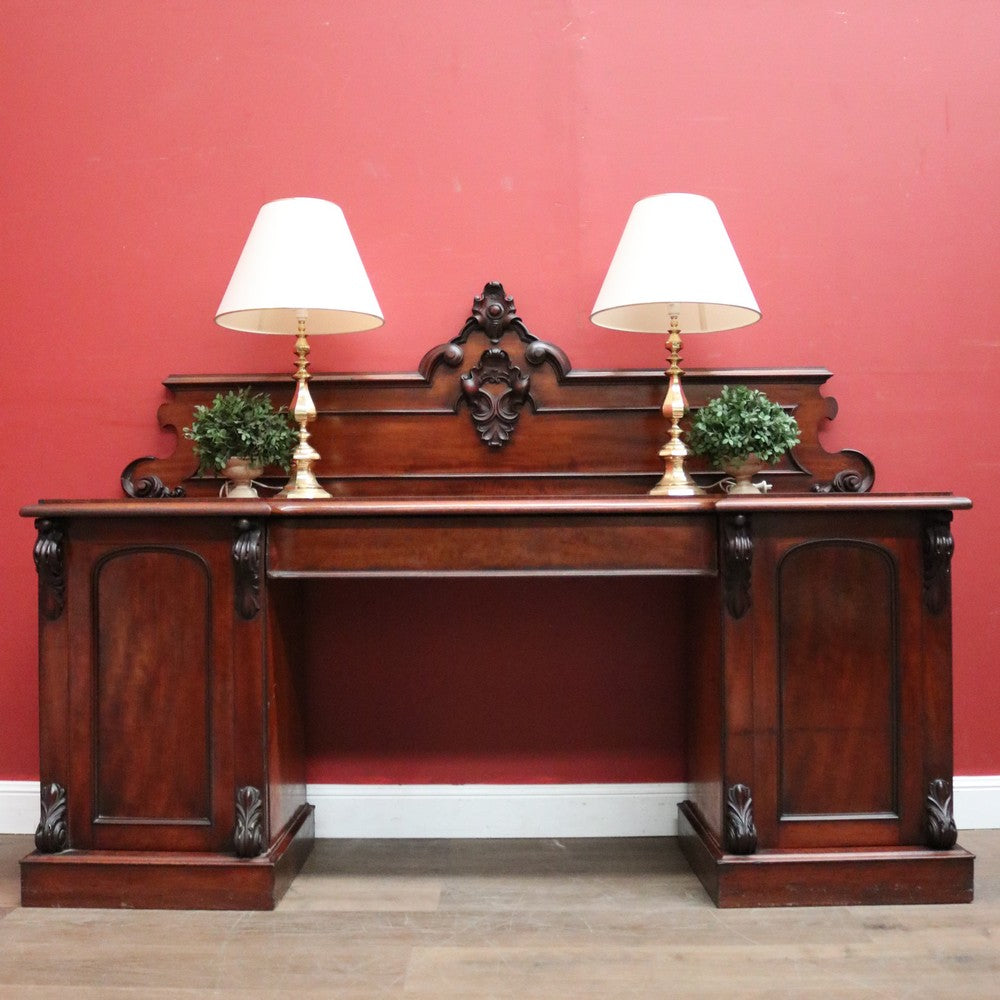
<point x="482" y="545"/>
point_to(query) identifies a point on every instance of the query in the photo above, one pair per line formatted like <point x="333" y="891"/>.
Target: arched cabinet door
<point x="151" y="690"/>
<point x="842" y="707"/>
<point x="151" y="694"/>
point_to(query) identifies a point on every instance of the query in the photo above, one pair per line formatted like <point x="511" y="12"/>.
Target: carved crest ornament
<point x="495" y="389"/>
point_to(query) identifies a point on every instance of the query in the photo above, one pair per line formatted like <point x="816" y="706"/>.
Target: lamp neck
<point x="674" y="346"/>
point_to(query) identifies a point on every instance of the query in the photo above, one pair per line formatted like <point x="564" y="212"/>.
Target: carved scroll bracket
<point x="737" y="563"/>
<point x="248" y="835"/>
<point x="146" y="487"/>
<point x="852" y="480"/>
<point x="941" y="830"/>
<point x="248" y="558"/>
<point x="52" y="833"/>
<point x="938" y="549"/>
<point x="50" y="564"/>
<point x="740" y="829"/>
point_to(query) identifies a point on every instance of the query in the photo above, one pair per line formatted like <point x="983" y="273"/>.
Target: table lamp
<point x="675" y="270"/>
<point x="300" y="273"/>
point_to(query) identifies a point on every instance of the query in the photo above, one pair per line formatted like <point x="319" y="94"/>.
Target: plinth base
<point x="823" y="876"/>
<point x="169" y="880"/>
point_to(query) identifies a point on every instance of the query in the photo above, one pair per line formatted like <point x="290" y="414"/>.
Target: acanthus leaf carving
<point x="52" y="832"/>
<point x="939" y="545"/>
<point x="50" y="565"/>
<point x="737" y="563"/>
<point x="247" y="557"/>
<point x="495" y="414"/>
<point x="740" y="829"/>
<point x="248" y="835"/>
<point x="942" y="833"/>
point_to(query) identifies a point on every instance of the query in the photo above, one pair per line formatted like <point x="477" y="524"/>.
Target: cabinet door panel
<point x="150" y="685"/>
<point x="153" y="682"/>
<point x="838" y="680"/>
<point x="840" y="670"/>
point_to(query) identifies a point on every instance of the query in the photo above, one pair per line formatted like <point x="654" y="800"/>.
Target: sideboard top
<point x="416" y="507"/>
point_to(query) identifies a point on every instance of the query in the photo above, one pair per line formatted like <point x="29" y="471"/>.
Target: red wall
<point x="853" y="149"/>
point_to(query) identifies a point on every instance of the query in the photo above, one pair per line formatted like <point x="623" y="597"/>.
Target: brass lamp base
<point x="303" y="484"/>
<point x="304" y="493"/>
<point x="676" y="481"/>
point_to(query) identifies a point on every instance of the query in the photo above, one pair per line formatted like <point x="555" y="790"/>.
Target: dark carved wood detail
<point x="741" y="832"/>
<point x="850" y="480"/>
<point x="938" y="548"/>
<point x="248" y="837"/>
<point x="494" y="313"/>
<point x="941" y="830"/>
<point x="51" y="568"/>
<point x="146" y="487"/>
<point x="247" y="555"/>
<point x="495" y="413"/>
<point x="737" y="561"/>
<point x="52" y="833"/>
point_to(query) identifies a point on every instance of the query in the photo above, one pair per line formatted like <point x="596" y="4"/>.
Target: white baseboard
<point x="644" y="810"/>
<point x="977" y="801"/>
<point x="612" y="810"/>
<point x="19" y="805"/>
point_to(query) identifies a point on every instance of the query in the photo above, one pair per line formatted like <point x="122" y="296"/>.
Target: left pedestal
<point x="172" y="766"/>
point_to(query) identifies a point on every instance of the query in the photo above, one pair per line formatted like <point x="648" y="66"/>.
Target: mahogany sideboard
<point x="814" y="622"/>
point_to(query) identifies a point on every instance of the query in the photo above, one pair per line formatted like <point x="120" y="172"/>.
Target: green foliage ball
<point x="740" y="422"/>
<point x="241" y="424"/>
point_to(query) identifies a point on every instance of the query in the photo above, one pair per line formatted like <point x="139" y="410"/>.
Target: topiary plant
<point x="241" y="424"/>
<point x="738" y="423"/>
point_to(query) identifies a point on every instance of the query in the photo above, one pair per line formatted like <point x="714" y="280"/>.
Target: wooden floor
<point x="546" y="919"/>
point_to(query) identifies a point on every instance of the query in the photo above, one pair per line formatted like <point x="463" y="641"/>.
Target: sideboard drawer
<point x="484" y="545"/>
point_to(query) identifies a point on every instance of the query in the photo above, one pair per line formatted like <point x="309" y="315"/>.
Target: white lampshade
<point x="675" y="256"/>
<point x="299" y="260"/>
